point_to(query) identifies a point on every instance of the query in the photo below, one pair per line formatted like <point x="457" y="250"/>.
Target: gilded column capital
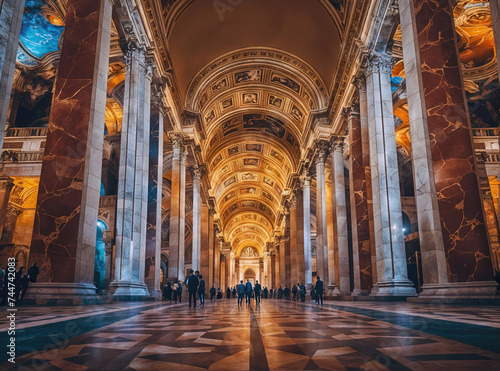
<point x="6" y="184"/>
<point x="293" y="202"/>
<point x="177" y="140"/>
<point x="14" y="211"/>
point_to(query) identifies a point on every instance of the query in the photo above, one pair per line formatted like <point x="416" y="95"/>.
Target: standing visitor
<point x="319" y="291"/>
<point x="212" y="292"/>
<point x="302" y="293"/>
<point x="228" y="293"/>
<point x="257" y="290"/>
<point x="33" y="272"/>
<point x="192" y="283"/>
<point x="201" y="291"/>
<point x="248" y="291"/>
<point x="241" y="292"/>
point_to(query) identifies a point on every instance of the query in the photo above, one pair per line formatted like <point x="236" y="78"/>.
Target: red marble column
<point x="65" y="225"/>
<point x="204" y="243"/>
<point x="455" y="172"/>
<point x="359" y="204"/>
<point x="153" y="232"/>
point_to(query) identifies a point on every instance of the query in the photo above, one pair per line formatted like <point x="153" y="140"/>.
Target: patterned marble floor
<point x="273" y="336"/>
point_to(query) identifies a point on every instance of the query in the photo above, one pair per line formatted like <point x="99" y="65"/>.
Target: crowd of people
<point x="21" y="282"/>
<point x="196" y="288"/>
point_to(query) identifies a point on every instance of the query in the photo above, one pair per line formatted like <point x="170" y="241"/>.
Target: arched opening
<point x="100" y="257"/>
<point x="249" y="275"/>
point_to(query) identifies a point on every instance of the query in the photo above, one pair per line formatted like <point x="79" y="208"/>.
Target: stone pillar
<point x="232" y="271"/>
<point x="11" y="17"/>
<point x="306" y="191"/>
<point x="292" y="212"/>
<point x="196" y="249"/>
<point x="299" y="217"/>
<point x="277" y="272"/>
<point x="204" y="243"/>
<point x="211" y="246"/>
<point x="107" y="239"/>
<point x="495" y="20"/>
<point x="282" y="269"/>
<point x="217" y="264"/>
<point x="64" y="233"/>
<point x="453" y="235"/>
<point x="338" y="189"/>
<point x="388" y="220"/>
<point x="223" y="272"/>
<point x="182" y="215"/>
<point x="155" y="181"/>
<point x="176" y="238"/>
<point x="265" y="278"/>
<point x="359" y="205"/>
<point x="321" y="231"/>
<point x="272" y="269"/>
<point x="228" y="269"/>
<point x="9" y="226"/>
<point x="133" y="178"/>
<point x="6" y="185"/>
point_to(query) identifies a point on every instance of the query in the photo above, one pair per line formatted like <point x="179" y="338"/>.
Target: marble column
<point x="453" y="234"/>
<point x="228" y="269"/>
<point x="182" y="215"/>
<point x="223" y="281"/>
<point x="232" y="270"/>
<point x="359" y="206"/>
<point x="107" y="239"/>
<point x="387" y="212"/>
<point x="298" y="200"/>
<point x="337" y="157"/>
<point x="217" y="264"/>
<point x="176" y="239"/>
<point x="277" y="271"/>
<point x="292" y="210"/>
<point x="64" y="233"/>
<point x="133" y="178"/>
<point x="272" y="268"/>
<point x="9" y="226"/>
<point x="306" y="191"/>
<point x="196" y="248"/>
<point x="204" y="243"/>
<point x="282" y="280"/>
<point x="265" y="278"/>
<point x="495" y="20"/>
<point x="6" y="185"/>
<point x="212" y="246"/>
<point x="321" y="231"/>
<point x="153" y="234"/>
<point x="11" y="17"/>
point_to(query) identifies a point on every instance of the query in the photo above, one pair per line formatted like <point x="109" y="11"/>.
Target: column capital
<point x="184" y="156"/>
<point x="13" y="210"/>
<point x="196" y="172"/>
<point x="379" y="62"/>
<point x="360" y="82"/>
<point x="305" y="180"/>
<point x="150" y="67"/>
<point x="321" y="153"/>
<point x="177" y="140"/>
<point x="293" y="202"/>
<point x="6" y="184"/>
<point x="132" y="50"/>
<point x="338" y="144"/>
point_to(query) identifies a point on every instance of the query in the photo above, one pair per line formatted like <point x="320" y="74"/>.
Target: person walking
<point x="319" y="291"/>
<point x="175" y="290"/>
<point x="302" y="293"/>
<point x="257" y="290"/>
<point x="212" y="292"/>
<point x="241" y="292"/>
<point x="228" y="293"/>
<point x="234" y="292"/>
<point x="219" y="293"/>
<point x="192" y="284"/>
<point x="286" y="291"/>
<point x="201" y="291"/>
<point x="248" y="291"/>
<point x="167" y="291"/>
<point x="294" y="292"/>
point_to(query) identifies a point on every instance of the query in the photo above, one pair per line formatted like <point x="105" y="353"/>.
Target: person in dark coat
<point x="319" y="291"/>
<point x="248" y="291"/>
<point x="192" y="284"/>
<point x="167" y="291"/>
<point x="280" y="293"/>
<point x="234" y="292"/>
<point x="201" y="291"/>
<point x="212" y="292"/>
<point x="257" y="289"/>
<point x="228" y="293"/>
<point x="302" y="293"/>
<point x="286" y="291"/>
<point x="241" y="292"/>
<point x="33" y="272"/>
<point x="219" y="293"/>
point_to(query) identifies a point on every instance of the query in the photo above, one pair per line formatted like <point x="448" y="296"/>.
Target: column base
<point x="129" y="291"/>
<point x="394" y="288"/>
<point x="61" y="293"/>
<point x="454" y="291"/>
<point x="332" y="290"/>
<point x="359" y="292"/>
<point x="157" y="294"/>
